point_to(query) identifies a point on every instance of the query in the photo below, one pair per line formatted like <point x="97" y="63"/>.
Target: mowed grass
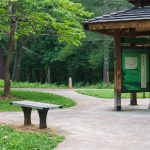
<point x="34" y="96"/>
<point x="10" y="139"/>
<point x="106" y="93"/>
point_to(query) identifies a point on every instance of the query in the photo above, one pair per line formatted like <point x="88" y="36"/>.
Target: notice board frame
<point x="134" y="48"/>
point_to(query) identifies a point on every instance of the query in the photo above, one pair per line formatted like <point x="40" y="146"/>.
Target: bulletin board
<point x="135" y="69"/>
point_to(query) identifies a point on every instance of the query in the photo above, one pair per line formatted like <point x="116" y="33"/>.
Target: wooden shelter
<point x="140" y="3"/>
<point x="131" y="31"/>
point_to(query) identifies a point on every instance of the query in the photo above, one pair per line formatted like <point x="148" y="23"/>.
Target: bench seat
<point x="36" y="105"/>
<point x="42" y="109"/>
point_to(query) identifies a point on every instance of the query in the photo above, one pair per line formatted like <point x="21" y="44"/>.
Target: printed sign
<point x="131" y="62"/>
<point x="143" y="71"/>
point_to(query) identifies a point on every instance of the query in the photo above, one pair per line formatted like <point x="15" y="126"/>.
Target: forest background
<point x="44" y="59"/>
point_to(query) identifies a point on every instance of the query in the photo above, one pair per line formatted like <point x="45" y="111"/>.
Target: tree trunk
<point x="106" y="63"/>
<point x="10" y="48"/>
<point x="106" y="50"/>
<point x="16" y="71"/>
<point x="40" y="75"/>
<point x="29" y="74"/>
<point x="48" y="74"/>
<point x="1" y="64"/>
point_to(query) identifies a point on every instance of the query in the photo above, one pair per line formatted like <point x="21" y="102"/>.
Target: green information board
<point x="135" y="69"/>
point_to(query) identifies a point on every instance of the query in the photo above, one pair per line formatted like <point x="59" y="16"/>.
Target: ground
<point x="93" y="125"/>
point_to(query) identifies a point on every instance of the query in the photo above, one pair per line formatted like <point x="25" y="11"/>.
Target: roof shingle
<point x="126" y="15"/>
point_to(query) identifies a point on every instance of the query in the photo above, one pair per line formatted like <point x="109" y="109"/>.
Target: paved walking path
<point x="93" y="125"/>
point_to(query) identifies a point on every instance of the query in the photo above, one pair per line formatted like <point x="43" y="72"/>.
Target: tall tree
<point x="1" y="64"/>
<point x="10" y="46"/>
<point x="17" y="61"/>
<point x="31" y="17"/>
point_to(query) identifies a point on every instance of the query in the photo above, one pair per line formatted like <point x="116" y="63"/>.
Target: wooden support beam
<point x="138" y="33"/>
<point x="107" y="32"/>
<point x="125" y="32"/>
<point x="119" y="25"/>
<point x="117" y="70"/>
<point x="133" y="100"/>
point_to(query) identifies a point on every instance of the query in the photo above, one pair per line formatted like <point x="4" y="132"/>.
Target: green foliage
<point x="44" y="27"/>
<point x="94" y="45"/>
<point x="106" y="93"/>
<point x="35" y="96"/>
<point x="100" y="7"/>
<point x="33" y="85"/>
<point x="17" y="140"/>
<point x="51" y="30"/>
<point x="3" y="23"/>
<point x="33" y="17"/>
<point x="83" y="85"/>
<point x="96" y="61"/>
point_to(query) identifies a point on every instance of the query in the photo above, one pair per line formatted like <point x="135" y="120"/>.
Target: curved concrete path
<point x="93" y="125"/>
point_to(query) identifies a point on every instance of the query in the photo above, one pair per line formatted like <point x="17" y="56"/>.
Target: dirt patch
<point x="33" y="128"/>
<point x="8" y="98"/>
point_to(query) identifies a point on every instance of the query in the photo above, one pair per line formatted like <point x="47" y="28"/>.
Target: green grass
<point x="77" y="85"/>
<point x="99" y="85"/>
<point x="105" y="93"/>
<point x="10" y="139"/>
<point x="34" y="96"/>
<point x="33" y="85"/>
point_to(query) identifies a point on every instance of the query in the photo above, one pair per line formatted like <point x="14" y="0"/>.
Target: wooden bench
<point x="42" y="109"/>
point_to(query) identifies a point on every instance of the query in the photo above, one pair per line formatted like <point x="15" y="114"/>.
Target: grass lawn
<point x="33" y="85"/>
<point x="34" y="96"/>
<point x="105" y="93"/>
<point x="10" y="139"/>
<point x="80" y="85"/>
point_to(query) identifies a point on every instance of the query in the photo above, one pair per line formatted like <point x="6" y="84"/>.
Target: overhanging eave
<point x="145" y="24"/>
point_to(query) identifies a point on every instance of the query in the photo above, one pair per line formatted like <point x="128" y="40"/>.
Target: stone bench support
<point x="42" y="109"/>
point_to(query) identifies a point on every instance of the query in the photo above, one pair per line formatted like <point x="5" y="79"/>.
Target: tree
<point x="10" y="46"/>
<point x="32" y="17"/>
<point x="101" y="7"/>
<point x="17" y="61"/>
<point x="1" y="64"/>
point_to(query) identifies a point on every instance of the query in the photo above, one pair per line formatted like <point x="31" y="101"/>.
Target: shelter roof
<point x="125" y="15"/>
<point x="140" y="2"/>
<point x="137" y="18"/>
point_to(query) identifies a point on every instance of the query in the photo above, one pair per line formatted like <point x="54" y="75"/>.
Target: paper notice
<point x="131" y="62"/>
<point x="143" y="71"/>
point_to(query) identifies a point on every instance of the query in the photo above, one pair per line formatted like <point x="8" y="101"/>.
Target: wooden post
<point x="117" y="70"/>
<point x="133" y="101"/>
<point x="133" y="95"/>
<point x="144" y="96"/>
<point x="70" y="83"/>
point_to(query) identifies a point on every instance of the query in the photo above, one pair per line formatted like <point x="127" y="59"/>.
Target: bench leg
<point x="43" y="116"/>
<point x="27" y="115"/>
